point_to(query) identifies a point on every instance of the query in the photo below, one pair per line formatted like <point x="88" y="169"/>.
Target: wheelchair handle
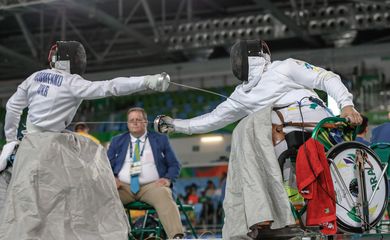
<point x="330" y="122"/>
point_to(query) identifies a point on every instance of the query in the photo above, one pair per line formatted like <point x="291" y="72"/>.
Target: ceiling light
<point x="211" y="139"/>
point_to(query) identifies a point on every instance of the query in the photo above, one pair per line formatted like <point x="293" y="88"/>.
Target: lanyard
<point x="131" y="148"/>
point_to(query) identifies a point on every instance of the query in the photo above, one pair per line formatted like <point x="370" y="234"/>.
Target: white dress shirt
<point x="149" y="171"/>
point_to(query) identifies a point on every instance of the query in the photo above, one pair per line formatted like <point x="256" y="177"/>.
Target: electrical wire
<point x="205" y="233"/>
<point x="73" y="123"/>
<point x="211" y="92"/>
<point x="154" y="237"/>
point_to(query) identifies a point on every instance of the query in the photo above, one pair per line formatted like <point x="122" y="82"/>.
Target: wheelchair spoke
<point x="377" y="185"/>
<point x="341" y="180"/>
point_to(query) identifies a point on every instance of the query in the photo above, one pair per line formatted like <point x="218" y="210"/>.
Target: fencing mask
<point x="244" y="50"/>
<point x="69" y="56"/>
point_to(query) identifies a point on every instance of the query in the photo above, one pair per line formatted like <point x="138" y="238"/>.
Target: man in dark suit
<point x="145" y="168"/>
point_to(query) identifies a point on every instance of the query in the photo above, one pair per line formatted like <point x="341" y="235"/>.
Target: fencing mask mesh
<point x="240" y="52"/>
<point x="69" y="56"/>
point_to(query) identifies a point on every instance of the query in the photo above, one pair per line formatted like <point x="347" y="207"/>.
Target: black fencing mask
<point x="69" y="56"/>
<point x="240" y="52"/>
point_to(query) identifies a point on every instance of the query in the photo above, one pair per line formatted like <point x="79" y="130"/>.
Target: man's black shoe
<point x="281" y="233"/>
<point x="178" y="236"/>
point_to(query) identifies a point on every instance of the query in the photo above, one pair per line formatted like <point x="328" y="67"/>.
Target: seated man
<point x="82" y="129"/>
<point x="145" y="168"/>
<point x="286" y="85"/>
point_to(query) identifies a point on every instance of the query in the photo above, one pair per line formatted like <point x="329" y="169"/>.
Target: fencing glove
<point x="164" y="124"/>
<point x="158" y="82"/>
<point x="8" y="150"/>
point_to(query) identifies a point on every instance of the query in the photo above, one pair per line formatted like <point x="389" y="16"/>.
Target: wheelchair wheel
<point x="345" y="180"/>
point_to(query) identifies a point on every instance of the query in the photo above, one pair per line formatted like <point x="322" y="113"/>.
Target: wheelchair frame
<point x="320" y="133"/>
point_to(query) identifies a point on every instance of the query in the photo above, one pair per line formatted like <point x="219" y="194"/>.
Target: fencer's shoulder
<point x="31" y="78"/>
<point x="291" y="62"/>
<point x="74" y="75"/>
<point x="281" y="65"/>
<point x="38" y="72"/>
<point x="55" y="71"/>
<point x="287" y="65"/>
<point x="66" y="74"/>
<point x="295" y="61"/>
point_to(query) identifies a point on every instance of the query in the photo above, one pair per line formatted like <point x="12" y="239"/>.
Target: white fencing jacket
<point x="53" y="96"/>
<point x="284" y="82"/>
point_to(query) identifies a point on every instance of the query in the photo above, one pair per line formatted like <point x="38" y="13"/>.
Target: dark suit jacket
<point x="381" y="133"/>
<point x="166" y="162"/>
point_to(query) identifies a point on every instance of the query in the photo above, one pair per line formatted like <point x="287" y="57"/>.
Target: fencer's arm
<point x="225" y="113"/>
<point x="14" y="107"/>
<point x="85" y="89"/>
<point x="315" y="77"/>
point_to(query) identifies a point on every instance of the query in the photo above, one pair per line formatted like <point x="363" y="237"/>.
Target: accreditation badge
<point x="135" y="168"/>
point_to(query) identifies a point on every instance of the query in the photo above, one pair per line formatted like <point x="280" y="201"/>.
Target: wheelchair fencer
<point x="359" y="178"/>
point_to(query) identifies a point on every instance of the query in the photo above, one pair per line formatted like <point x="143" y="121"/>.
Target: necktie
<point x="134" y="183"/>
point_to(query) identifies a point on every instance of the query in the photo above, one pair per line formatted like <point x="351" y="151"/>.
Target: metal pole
<point x="377" y="185"/>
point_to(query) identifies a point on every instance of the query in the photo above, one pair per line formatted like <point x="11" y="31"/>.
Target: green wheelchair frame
<point x="158" y="231"/>
<point x="321" y="134"/>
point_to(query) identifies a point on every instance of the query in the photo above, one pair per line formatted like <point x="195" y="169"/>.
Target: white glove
<point x="158" y="82"/>
<point x="164" y="124"/>
<point x="8" y="149"/>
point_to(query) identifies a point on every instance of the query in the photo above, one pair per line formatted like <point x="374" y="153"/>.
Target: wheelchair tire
<point x="289" y="153"/>
<point x="343" y="156"/>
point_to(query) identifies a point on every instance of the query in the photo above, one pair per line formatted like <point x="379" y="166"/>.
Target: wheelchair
<point x="359" y="177"/>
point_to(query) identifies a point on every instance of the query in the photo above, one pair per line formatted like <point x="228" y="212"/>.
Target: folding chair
<point x="156" y="227"/>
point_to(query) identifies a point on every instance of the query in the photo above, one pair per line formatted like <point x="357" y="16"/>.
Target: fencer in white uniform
<point x="277" y="83"/>
<point x="282" y="84"/>
<point x="62" y="185"/>
<point x="53" y="95"/>
<point x="286" y="84"/>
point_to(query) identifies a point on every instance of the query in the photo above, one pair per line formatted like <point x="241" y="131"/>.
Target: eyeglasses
<point x="133" y="121"/>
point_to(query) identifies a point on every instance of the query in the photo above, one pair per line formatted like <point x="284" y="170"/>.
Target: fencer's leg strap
<point x="277" y="129"/>
<point x="311" y="124"/>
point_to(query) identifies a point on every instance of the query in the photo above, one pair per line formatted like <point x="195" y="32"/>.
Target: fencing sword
<point x="211" y="92"/>
<point x="102" y="122"/>
<point x="184" y="86"/>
